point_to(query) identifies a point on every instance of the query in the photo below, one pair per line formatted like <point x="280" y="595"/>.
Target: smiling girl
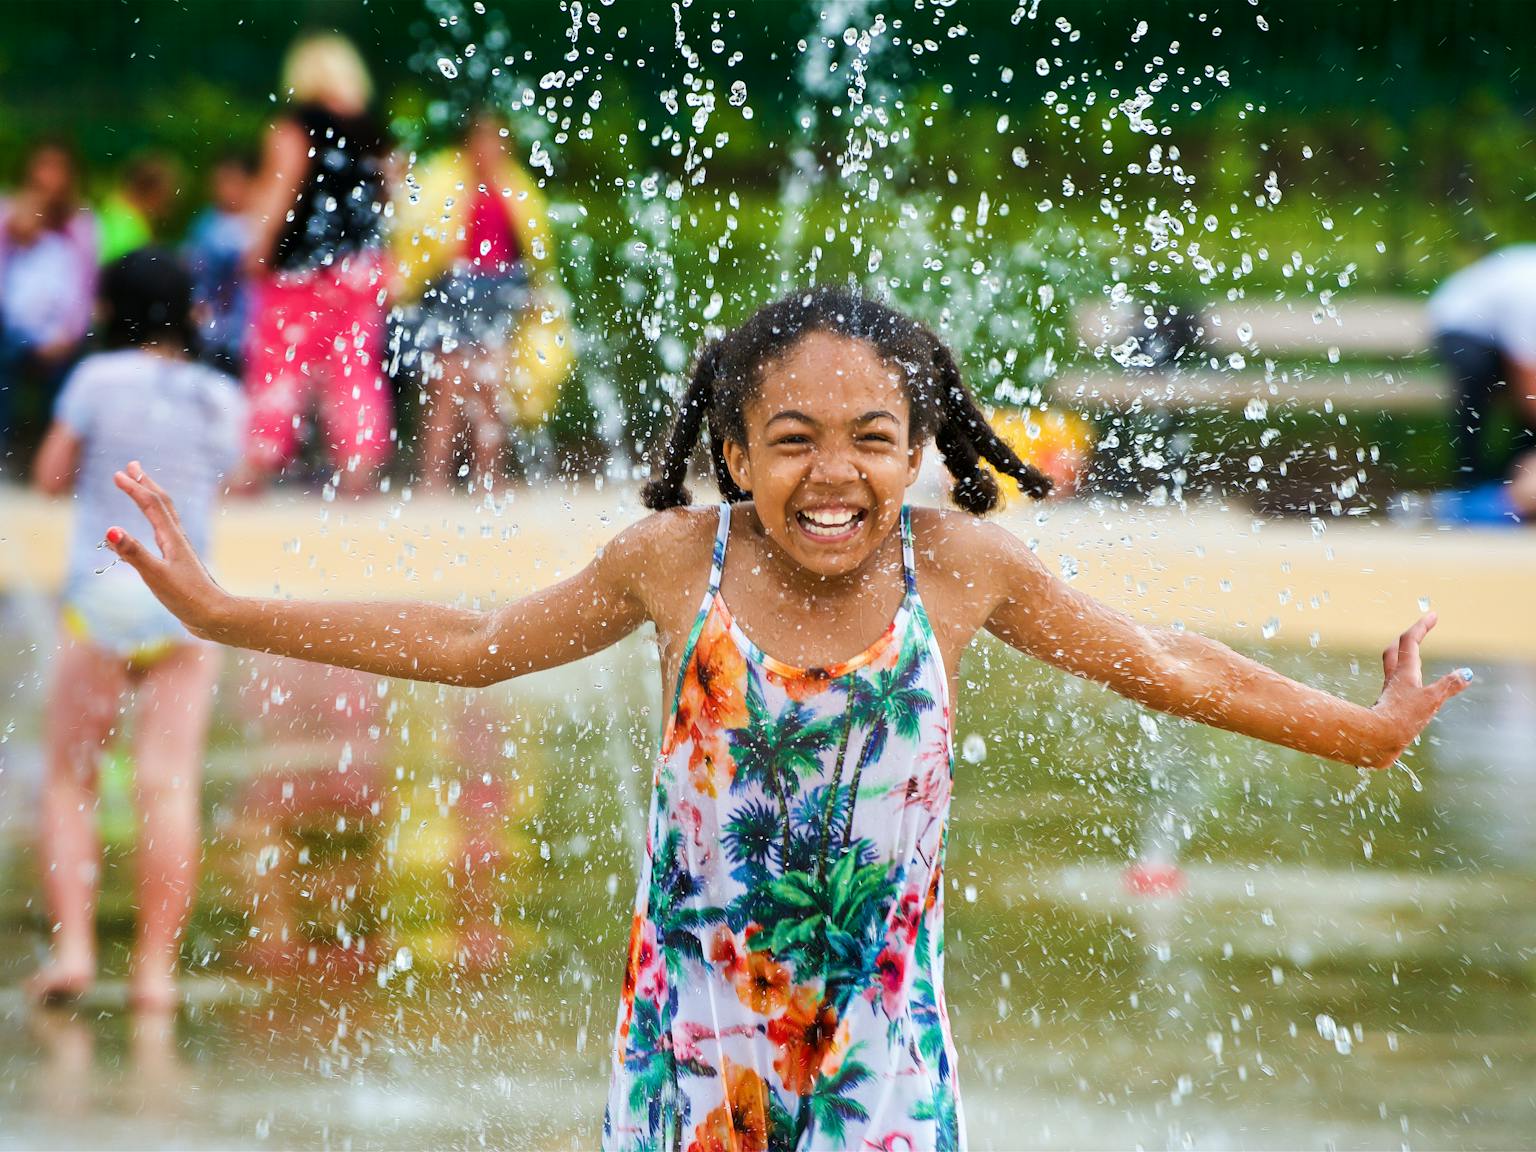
<point x="784" y="986"/>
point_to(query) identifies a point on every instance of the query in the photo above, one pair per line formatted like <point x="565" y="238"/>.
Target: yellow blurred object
<point x="1057" y="442"/>
<point x="536" y="361"/>
<point x="426" y="239"/>
<point x="429" y="221"/>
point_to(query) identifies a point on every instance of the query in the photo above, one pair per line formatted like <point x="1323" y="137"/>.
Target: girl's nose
<point x="835" y="466"/>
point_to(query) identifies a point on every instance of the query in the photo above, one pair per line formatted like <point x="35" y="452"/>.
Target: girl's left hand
<point x="1406" y="703"/>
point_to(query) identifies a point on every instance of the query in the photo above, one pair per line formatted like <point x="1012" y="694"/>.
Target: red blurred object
<point x="1154" y="878"/>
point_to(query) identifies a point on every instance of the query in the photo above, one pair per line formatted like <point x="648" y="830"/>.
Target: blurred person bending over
<point x="48" y="262"/>
<point x="143" y="400"/>
<point x="318" y="320"/>
<point x="1484" y="321"/>
<point x="216" y="249"/>
<point x="475" y="245"/>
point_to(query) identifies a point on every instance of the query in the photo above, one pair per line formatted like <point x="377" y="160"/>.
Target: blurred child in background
<point x="135" y="214"/>
<point x="475" y="252"/>
<point x="215" y="251"/>
<point x="144" y="399"/>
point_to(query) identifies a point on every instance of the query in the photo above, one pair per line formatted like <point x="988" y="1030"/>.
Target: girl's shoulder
<point x="665" y="556"/>
<point x="957" y="536"/>
<point x="972" y="555"/>
<point x="125" y="365"/>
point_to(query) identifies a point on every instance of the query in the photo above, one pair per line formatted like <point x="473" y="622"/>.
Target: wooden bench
<point x="1389" y="328"/>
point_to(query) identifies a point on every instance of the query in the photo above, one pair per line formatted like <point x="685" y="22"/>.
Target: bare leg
<point x="440" y="423"/>
<point x="84" y="703"/>
<point x="175" y="702"/>
<point x="488" y="435"/>
<point x="1522" y="485"/>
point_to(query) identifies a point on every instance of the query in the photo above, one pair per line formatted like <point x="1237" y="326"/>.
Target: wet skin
<point x="827" y="461"/>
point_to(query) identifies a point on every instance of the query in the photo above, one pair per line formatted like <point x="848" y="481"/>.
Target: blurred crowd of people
<point x="322" y="277"/>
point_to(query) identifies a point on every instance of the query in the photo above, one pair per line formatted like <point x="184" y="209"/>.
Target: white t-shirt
<point x="182" y="420"/>
<point x="1494" y="300"/>
<point x="37" y="285"/>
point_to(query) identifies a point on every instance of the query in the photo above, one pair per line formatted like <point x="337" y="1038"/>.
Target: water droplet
<point x="973" y="748"/>
<point x="447" y="67"/>
<point x="1020" y="158"/>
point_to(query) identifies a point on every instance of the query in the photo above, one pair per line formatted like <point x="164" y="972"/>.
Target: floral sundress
<point x="784" y="987"/>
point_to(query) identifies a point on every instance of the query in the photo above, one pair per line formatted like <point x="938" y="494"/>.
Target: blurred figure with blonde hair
<point x="317" y="331"/>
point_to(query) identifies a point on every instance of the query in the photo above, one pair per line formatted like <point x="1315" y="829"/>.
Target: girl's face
<point x="827" y="459"/>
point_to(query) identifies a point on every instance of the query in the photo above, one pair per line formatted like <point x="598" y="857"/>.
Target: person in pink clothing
<point x="318" y="319"/>
<point x="48" y="269"/>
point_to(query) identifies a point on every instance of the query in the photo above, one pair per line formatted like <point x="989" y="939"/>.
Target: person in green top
<point x="137" y="209"/>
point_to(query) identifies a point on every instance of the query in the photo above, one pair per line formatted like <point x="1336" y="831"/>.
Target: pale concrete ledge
<point x="1355" y="584"/>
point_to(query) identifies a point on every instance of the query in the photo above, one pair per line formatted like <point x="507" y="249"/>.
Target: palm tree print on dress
<point x="784" y="987"/>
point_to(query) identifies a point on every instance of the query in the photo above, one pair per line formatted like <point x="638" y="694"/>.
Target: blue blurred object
<point x="1488" y="505"/>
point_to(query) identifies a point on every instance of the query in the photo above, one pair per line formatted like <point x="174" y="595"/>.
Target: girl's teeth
<point x="821" y="524"/>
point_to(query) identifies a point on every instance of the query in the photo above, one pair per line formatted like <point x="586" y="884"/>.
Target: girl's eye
<point x="791" y="439"/>
<point x="877" y="438"/>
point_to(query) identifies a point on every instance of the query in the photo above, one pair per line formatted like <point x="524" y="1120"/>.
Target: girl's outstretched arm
<point x="411" y="640"/>
<point x="1189" y="675"/>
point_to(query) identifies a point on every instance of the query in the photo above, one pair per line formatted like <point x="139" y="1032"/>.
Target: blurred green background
<point x="1416" y="114"/>
<point x="1398" y="132"/>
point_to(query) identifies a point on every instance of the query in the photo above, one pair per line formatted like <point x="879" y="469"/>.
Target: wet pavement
<point x="411" y="926"/>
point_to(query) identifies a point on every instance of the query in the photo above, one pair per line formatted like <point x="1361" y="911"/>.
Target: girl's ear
<point x="737" y="463"/>
<point x="914" y="463"/>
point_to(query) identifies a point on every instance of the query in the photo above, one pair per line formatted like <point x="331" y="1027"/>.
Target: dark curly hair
<point x="728" y="371"/>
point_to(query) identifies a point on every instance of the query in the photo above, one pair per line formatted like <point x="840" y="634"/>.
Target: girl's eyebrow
<point x="788" y="414"/>
<point x="795" y="414"/>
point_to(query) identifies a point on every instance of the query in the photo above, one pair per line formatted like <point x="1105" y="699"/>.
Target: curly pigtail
<point x="668" y="489"/>
<point x="965" y="439"/>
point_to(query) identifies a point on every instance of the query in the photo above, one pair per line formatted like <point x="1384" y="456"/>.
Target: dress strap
<point x="908" y="563"/>
<point x="717" y="561"/>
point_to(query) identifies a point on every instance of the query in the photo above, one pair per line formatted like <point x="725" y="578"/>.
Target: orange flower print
<point x="631" y="972"/>
<point x="709" y="762"/>
<point x="726" y="951"/>
<point x="650" y="966"/>
<point x="714" y="689"/>
<point x="805" y="686"/>
<point x="809" y="1040"/>
<point x="741" y="1123"/>
<point x="763" y="985"/>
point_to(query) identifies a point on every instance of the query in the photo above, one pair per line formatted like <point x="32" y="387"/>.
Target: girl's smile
<point x="831" y="524"/>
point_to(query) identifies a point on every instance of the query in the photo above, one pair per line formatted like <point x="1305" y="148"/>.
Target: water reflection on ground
<point x="415" y="902"/>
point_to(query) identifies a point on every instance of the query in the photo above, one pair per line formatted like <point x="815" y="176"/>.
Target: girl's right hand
<point x="177" y="576"/>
